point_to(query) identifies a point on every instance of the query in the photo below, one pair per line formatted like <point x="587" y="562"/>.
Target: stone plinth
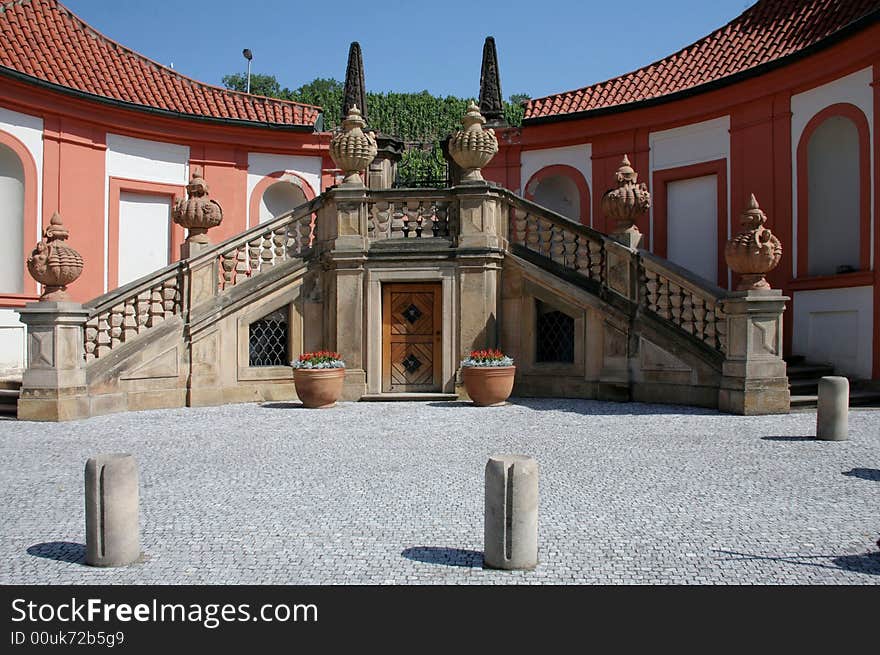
<point x="53" y="387"/>
<point x="511" y="512"/>
<point x="754" y="377"/>
<point x="112" y="527"/>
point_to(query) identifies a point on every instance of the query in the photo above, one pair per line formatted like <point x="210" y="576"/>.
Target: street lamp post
<point x="248" y="55"/>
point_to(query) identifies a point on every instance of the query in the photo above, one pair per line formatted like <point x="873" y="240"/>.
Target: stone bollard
<point x="112" y="529"/>
<point x="511" y="515"/>
<point x="832" y="412"/>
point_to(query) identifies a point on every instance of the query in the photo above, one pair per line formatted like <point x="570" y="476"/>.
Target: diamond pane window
<point x="555" y="335"/>
<point x="268" y="340"/>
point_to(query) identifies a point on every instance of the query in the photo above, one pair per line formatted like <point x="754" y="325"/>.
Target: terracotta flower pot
<point x="488" y="386"/>
<point x="318" y="388"/>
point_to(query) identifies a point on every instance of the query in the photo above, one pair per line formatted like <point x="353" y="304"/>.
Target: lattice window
<point x="268" y="339"/>
<point x="555" y="335"/>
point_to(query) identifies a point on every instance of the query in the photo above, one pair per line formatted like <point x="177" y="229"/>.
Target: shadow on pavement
<point x="788" y="438"/>
<point x="860" y="563"/>
<point x="445" y="556"/>
<point x="864" y="474"/>
<point x="62" y="551"/>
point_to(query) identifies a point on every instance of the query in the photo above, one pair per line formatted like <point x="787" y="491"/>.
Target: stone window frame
<point x="246" y="372"/>
<point x="528" y="341"/>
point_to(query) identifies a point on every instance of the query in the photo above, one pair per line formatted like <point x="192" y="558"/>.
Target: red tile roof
<point x="767" y="31"/>
<point x="43" y="39"/>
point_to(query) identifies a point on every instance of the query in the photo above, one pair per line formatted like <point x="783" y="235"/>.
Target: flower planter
<point x="488" y="386"/>
<point x="318" y="388"/>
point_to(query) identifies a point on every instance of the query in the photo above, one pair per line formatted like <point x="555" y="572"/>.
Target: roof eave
<point x="856" y="26"/>
<point x="157" y="111"/>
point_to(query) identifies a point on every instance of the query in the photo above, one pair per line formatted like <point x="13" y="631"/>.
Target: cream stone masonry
<point x="642" y="328"/>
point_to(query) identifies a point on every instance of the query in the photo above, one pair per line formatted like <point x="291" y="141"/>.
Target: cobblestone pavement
<point x="393" y="493"/>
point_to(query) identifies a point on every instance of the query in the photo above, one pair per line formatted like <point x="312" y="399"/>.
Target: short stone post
<point x="832" y="413"/>
<point x="112" y="528"/>
<point x="511" y="512"/>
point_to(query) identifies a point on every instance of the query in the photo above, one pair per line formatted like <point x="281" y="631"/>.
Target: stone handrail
<point x="668" y="291"/>
<point x="684" y="299"/>
<point x="124" y="313"/>
<point x="574" y="246"/>
<point x="409" y="213"/>
<point x="262" y="247"/>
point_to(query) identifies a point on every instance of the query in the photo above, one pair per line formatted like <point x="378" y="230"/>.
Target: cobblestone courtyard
<point x="393" y="493"/>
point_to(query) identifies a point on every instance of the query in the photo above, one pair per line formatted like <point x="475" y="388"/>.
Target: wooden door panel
<point x="411" y="337"/>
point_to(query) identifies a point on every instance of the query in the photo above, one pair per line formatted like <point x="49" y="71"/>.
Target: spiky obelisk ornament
<point x="491" y="104"/>
<point x="355" y="93"/>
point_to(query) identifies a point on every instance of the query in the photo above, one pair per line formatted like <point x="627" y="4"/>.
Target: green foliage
<point x="261" y="85"/>
<point x="421" y="119"/>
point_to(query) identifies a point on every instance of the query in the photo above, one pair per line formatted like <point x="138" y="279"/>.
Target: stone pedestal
<point x="112" y="527"/>
<point x="482" y="218"/>
<point x="832" y="411"/>
<point x="511" y="512"/>
<point x="754" y="378"/>
<point x="53" y="387"/>
<point x="190" y="249"/>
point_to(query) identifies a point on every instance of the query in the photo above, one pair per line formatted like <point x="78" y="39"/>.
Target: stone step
<point x="13" y="384"/>
<point x="9" y="401"/>
<point x="387" y="397"/>
<point x="809" y="371"/>
<point x="866" y="398"/>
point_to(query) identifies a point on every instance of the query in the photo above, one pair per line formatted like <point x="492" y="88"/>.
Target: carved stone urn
<point x="198" y="213"/>
<point x="351" y="149"/>
<point x="625" y="203"/>
<point x="755" y="251"/>
<point x="54" y="264"/>
<point x="472" y="147"/>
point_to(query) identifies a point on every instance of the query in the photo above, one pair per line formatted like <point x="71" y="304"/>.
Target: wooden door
<point x="411" y="337"/>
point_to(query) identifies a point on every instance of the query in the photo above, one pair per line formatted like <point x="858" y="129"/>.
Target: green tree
<point x="421" y="120"/>
<point x="261" y="85"/>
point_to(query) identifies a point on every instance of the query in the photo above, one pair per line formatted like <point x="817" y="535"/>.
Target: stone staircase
<point x="10" y="388"/>
<point x="803" y="382"/>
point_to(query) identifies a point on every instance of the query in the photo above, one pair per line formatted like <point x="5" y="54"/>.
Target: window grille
<point x="555" y="335"/>
<point x="268" y="339"/>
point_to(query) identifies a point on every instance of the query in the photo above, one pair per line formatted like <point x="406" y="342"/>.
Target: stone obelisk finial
<point x="491" y="104"/>
<point x="355" y="94"/>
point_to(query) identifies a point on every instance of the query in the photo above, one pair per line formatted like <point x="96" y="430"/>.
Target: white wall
<point x="854" y="89"/>
<point x="261" y="164"/>
<point x="145" y="161"/>
<point x="279" y="199"/>
<point x="13" y="354"/>
<point x="692" y="219"/>
<point x="834" y="197"/>
<point x="144" y="234"/>
<point x="691" y="144"/>
<point x="11" y="221"/>
<point x="578" y="157"/>
<point x="835" y="326"/>
<point x="29" y="130"/>
<point x="559" y="193"/>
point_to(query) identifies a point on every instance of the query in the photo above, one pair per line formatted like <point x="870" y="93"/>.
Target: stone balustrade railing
<point x="412" y="214"/>
<point x="662" y="288"/>
<point x="127" y="312"/>
<point x="682" y="298"/>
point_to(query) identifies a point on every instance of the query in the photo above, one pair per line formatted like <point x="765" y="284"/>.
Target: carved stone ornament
<point x="53" y="264"/>
<point x="755" y="251"/>
<point x="198" y="213"/>
<point x="473" y="147"/>
<point x="351" y="149"/>
<point x="625" y="203"/>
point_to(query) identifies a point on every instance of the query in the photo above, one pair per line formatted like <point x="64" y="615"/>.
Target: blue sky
<point x="543" y="47"/>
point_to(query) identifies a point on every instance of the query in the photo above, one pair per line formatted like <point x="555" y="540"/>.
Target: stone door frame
<point x="446" y="275"/>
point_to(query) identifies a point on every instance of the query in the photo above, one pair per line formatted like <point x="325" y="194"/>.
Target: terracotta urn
<point x="54" y="264"/>
<point x="488" y="386"/>
<point x="351" y="149"/>
<point x="625" y="203"/>
<point x="755" y="251"/>
<point x="198" y="213"/>
<point x="318" y="388"/>
<point x="472" y="147"/>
